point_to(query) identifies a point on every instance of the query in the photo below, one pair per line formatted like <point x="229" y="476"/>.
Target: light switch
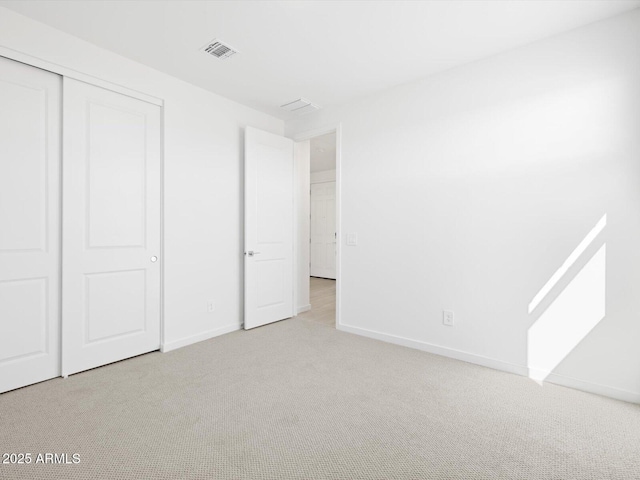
<point x="352" y="239"/>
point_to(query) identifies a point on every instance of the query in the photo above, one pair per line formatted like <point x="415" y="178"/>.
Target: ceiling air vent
<point x="217" y="49"/>
<point x="300" y="106"/>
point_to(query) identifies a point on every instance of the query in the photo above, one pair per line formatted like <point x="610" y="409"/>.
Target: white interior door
<point x="268" y="290"/>
<point x="30" y="120"/>
<point x="111" y="227"/>
<point x="323" y="230"/>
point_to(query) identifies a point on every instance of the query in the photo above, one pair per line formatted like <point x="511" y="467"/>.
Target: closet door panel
<point x="111" y="269"/>
<point x="30" y="122"/>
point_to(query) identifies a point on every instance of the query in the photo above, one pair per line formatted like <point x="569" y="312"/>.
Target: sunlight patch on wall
<point x="571" y="259"/>
<point x="572" y="314"/>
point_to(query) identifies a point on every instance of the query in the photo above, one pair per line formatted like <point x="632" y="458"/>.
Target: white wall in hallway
<point x="203" y="158"/>
<point x="470" y="189"/>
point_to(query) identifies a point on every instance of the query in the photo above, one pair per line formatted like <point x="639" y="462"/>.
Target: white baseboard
<point x="596" y="388"/>
<point x="183" y="342"/>
<point x="438" y="350"/>
<point x="305" y="308"/>
<point x="495" y="364"/>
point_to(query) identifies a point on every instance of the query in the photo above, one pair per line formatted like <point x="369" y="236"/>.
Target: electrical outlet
<point x="352" y="239"/>
<point x="447" y="318"/>
<point x="211" y="306"/>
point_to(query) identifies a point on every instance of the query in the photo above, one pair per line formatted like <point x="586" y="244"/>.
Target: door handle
<point x="154" y="259"/>
<point x="251" y="253"/>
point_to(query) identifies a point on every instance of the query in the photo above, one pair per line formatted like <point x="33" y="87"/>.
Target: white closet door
<point x="323" y="230"/>
<point x="29" y="224"/>
<point x="111" y="227"/>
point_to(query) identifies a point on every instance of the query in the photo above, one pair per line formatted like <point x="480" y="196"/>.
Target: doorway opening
<point x="323" y="230"/>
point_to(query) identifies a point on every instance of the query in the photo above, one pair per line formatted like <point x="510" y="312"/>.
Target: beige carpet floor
<point x="300" y="400"/>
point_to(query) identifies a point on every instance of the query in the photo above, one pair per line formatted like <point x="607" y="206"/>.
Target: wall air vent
<point x="217" y="49"/>
<point x="300" y="106"/>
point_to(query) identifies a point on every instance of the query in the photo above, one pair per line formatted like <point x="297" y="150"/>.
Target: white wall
<point x="469" y="189"/>
<point x="203" y="210"/>
<point x="302" y="158"/>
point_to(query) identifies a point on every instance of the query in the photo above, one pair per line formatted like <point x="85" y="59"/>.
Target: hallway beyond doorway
<point x="323" y="302"/>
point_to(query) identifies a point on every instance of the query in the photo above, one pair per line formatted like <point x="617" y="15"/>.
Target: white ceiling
<point x="329" y="52"/>
<point x="323" y="152"/>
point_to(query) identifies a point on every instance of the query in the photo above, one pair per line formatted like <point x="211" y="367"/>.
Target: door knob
<point x="154" y="259"/>
<point x="251" y="253"/>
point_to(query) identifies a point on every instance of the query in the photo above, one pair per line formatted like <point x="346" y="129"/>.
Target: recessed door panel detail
<point x="115" y="304"/>
<point x="24" y="307"/>
<point x="116" y="177"/>
<point x="271" y="293"/>
<point x="273" y="185"/>
<point x="23" y="169"/>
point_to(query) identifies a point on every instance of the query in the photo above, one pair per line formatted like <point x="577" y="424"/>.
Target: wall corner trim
<point x="304" y="308"/>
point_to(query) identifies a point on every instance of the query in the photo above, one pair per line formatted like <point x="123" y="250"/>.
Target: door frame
<point x="63" y="71"/>
<point x="76" y="75"/>
<point x="307" y="135"/>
